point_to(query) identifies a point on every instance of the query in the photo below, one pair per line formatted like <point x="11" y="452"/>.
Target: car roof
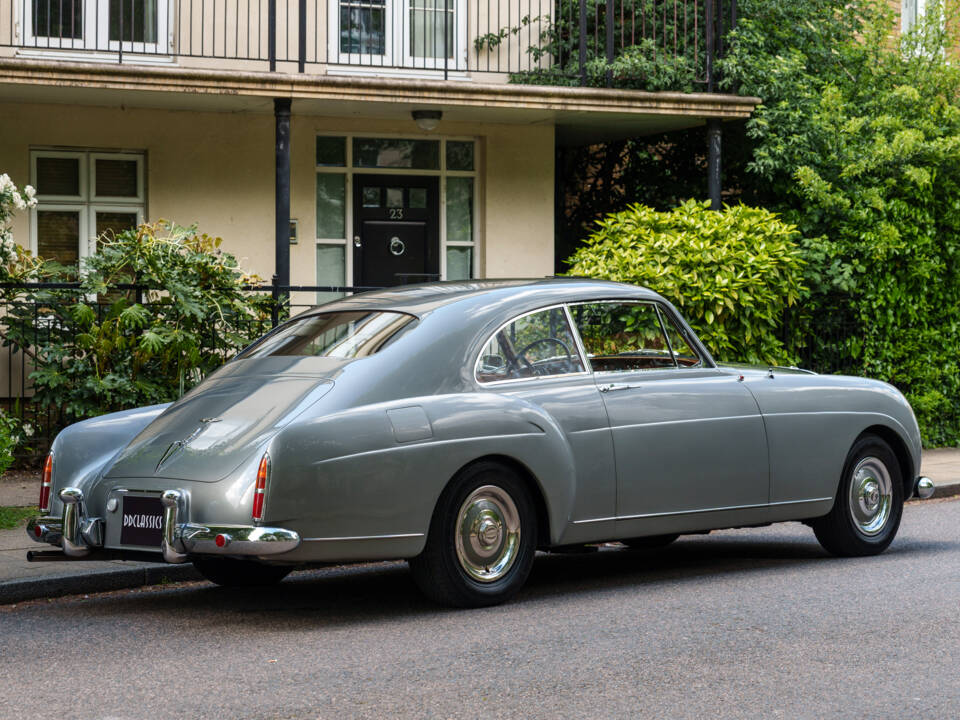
<point x="424" y="298"/>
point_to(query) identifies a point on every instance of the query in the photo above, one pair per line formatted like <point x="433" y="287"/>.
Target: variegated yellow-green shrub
<point x="732" y="273"/>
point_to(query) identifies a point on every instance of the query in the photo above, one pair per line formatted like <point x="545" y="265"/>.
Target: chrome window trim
<point x="666" y="335"/>
<point x="664" y="319"/>
<point x="573" y="333"/>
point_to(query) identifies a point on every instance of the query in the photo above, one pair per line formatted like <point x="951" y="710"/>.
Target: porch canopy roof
<point x="580" y="115"/>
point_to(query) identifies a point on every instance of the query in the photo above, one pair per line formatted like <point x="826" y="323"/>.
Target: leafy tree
<point x="101" y="348"/>
<point x="865" y="159"/>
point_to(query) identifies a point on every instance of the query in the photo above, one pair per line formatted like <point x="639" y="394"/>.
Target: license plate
<point x="142" y="521"/>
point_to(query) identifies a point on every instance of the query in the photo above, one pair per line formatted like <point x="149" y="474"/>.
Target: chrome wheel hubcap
<point x="871" y="495"/>
<point x="487" y="533"/>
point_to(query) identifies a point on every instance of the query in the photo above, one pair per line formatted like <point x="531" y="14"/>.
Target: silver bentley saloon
<point x="462" y="426"/>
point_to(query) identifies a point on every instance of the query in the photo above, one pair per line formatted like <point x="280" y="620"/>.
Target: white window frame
<point x="921" y="8"/>
<point x="92" y="169"/>
<point x="443" y="173"/>
<point x="95" y="30"/>
<point x="397" y="51"/>
<point x="83" y="241"/>
<point x="59" y="154"/>
<point x="87" y="204"/>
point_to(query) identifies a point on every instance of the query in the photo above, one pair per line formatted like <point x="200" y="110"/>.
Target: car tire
<point x="232" y="572"/>
<point x="869" y="504"/>
<point x="650" y="542"/>
<point x="482" y="539"/>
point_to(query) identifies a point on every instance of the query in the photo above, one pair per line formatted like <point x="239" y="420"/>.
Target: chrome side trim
<point x="705" y="510"/>
<point x="435" y="443"/>
<point x="686" y="420"/>
<point x="398" y="536"/>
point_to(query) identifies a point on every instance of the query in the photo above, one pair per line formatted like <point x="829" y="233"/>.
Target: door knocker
<point x="396" y="246"/>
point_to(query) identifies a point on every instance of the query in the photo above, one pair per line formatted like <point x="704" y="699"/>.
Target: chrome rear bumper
<point x="81" y="536"/>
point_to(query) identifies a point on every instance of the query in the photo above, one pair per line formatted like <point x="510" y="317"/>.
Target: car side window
<point x="622" y="337"/>
<point x="535" y="345"/>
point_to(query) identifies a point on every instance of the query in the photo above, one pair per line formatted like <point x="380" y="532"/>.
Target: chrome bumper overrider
<point x="78" y="534"/>
<point x="924" y="488"/>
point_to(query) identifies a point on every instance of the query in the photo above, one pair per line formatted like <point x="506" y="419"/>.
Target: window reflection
<point x="347" y="335"/>
<point x="394" y="153"/>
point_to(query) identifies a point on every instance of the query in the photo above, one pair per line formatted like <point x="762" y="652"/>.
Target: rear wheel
<point x="869" y="503"/>
<point x="231" y="572"/>
<point x="482" y="539"/>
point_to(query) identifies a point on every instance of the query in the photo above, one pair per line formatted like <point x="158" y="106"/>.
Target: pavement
<point x="21" y="580"/>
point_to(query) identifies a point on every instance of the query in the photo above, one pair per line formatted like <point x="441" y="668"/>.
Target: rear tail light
<point x="260" y="491"/>
<point x="45" y="482"/>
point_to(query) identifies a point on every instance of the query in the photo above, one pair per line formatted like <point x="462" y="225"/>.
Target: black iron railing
<point x="571" y="42"/>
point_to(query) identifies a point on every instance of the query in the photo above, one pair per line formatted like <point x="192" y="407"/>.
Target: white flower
<point x="29" y="191"/>
<point x="5" y="183"/>
<point x="18" y="201"/>
<point x="28" y="429"/>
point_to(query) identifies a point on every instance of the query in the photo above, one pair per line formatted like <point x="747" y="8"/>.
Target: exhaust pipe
<point x="46" y="556"/>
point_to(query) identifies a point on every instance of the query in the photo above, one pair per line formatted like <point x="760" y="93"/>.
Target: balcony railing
<point x="653" y="44"/>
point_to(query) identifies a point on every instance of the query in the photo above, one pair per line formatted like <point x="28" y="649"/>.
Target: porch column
<point x="714" y="143"/>
<point x="281" y="111"/>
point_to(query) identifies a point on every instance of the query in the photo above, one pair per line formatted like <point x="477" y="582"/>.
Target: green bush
<point x="98" y="348"/>
<point x="733" y="273"/>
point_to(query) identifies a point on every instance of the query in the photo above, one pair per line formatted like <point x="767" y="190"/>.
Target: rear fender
<point x="380" y="469"/>
<point x="82" y="451"/>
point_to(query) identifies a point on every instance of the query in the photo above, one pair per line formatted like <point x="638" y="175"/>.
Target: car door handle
<point x="613" y="387"/>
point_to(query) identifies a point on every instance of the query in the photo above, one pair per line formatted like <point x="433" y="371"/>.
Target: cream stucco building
<point x="359" y="143"/>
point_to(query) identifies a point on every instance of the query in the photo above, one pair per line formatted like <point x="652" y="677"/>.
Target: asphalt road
<point x="740" y="624"/>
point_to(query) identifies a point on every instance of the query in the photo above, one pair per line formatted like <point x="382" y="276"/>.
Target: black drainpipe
<point x="281" y="110"/>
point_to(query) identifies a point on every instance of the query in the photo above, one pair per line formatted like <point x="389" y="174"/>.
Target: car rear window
<point x="336" y="334"/>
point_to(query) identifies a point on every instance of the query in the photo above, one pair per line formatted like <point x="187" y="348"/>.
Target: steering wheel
<point x="521" y="353"/>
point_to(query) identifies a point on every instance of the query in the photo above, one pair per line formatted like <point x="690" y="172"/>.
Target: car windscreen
<point x="336" y="334"/>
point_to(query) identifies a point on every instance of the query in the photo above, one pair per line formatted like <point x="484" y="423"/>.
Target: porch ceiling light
<point x="427" y="120"/>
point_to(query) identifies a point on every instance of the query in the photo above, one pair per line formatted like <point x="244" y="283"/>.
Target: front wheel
<point x="869" y="503"/>
<point x="482" y="539"/>
<point x="232" y="572"/>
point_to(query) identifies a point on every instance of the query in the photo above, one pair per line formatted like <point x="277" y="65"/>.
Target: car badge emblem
<point x="171" y="450"/>
<point x="177" y="446"/>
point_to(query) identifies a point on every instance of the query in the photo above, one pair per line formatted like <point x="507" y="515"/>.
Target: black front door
<point x="396" y="230"/>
